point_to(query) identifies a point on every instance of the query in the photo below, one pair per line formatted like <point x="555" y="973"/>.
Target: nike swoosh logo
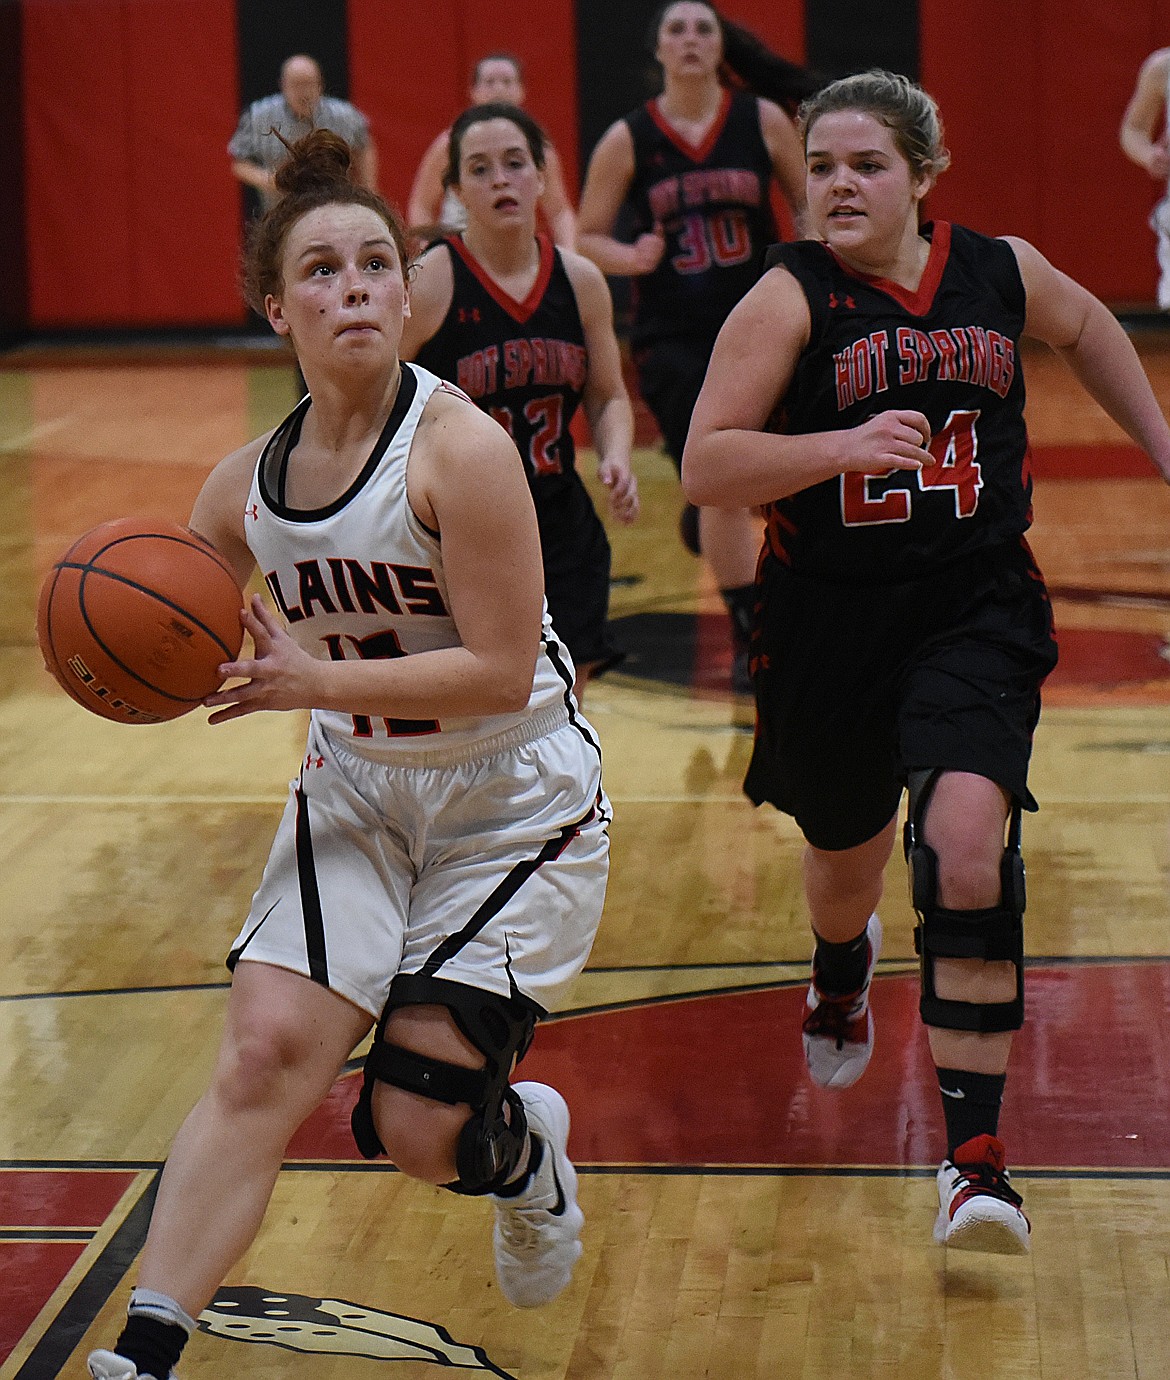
<point x="956" y="1093"/>
<point x="560" y="1203"/>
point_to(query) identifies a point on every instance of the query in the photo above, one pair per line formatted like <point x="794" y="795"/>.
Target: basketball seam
<point x="89" y="569"/>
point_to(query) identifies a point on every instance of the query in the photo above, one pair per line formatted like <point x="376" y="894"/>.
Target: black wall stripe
<point x="844" y="36"/>
<point x="268" y="31"/>
<point x="310" y="896"/>
<point x="609" y="87"/>
<point x="271" y="30"/>
<point x="14" y="279"/>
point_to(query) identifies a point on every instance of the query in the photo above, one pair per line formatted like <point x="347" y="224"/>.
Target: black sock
<point x="741" y="609"/>
<point x="153" y="1346"/>
<point x="535" y="1155"/>
<point x="839" y="969"/>
<point x="971" y="1103"/>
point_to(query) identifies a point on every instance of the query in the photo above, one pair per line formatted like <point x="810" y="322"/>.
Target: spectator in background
<point x="435" y="210"/>
<point x="300" y="106"/>
<point x="1143" y="141"/>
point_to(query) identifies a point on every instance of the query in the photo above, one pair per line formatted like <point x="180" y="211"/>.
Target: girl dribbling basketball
<point x="391" y="522"/>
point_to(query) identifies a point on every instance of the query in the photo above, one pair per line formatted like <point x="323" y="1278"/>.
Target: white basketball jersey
<point x="363" y="578"/>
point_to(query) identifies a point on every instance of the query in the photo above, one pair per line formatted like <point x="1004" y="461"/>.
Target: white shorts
<point x="489" y="872"/>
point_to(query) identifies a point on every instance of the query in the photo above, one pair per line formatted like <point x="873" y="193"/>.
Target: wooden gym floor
<point x="741" y="1223"/>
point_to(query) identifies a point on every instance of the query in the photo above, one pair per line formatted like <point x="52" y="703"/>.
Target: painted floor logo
<point x="336" y="1327"/>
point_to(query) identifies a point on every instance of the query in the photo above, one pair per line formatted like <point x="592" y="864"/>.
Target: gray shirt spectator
<point x="299" y="106"/>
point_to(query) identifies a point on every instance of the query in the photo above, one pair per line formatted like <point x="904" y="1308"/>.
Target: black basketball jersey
<point x="525" y="363"/>
<point x="949" y="350"/>
<point x="712" y="202"/>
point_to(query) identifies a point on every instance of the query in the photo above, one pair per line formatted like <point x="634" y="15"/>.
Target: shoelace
<point x="836" y="1017"/>
<point x="982" y="1178"/>
<point x="520" y="1226"/>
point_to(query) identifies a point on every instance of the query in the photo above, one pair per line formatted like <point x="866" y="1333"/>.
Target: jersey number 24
<point x="954" y="449"/>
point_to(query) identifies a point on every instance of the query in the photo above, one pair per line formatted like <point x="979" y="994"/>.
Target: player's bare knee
<point x="418" y="1134"/>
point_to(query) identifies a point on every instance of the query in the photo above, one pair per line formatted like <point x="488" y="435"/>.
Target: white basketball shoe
<point x="978" y="1210"/>
<point x="108" y="1365"/>
<point x="838" y="1031"/>
<point x="537" y="1236"/>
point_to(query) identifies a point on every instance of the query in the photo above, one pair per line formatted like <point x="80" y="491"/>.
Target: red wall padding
<point x="1032" y="98"/>
<point x="780" y="23"/>
<point x="132" y="212"/>
<point x="133" y="216"/>
<point x="411" y="77"/>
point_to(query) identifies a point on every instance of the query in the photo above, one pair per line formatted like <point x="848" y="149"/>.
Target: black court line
<point x="117" y="991"/>
<point x="76" y="1316"/>
<point x="10" y="1234"/>
<point x="891" y="965"/>
<point x="780" y="1171"/>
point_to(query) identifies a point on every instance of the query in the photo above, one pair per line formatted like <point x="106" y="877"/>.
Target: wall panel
<point x="411" y="92"/>
<point x="185" y="227"/>
<point x="77" y="129"/>
<point x="131" y="210"/>
<point x="1032" y="97"/>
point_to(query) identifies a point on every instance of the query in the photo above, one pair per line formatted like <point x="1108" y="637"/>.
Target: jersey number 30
<point x="954" y="449"/>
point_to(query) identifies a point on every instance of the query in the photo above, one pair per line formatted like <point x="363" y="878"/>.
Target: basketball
<point x="136" y="618"/>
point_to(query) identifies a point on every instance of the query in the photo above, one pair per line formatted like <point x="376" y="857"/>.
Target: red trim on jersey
<point x="696" y="152"/>
<point x="917" y="303"/>
<point x="519" y="311"/>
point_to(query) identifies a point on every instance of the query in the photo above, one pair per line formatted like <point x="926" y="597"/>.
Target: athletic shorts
<point x="856" y="686"/>
<point x="576" y="555"/>
<point x="670" y="378"/>
<point x="488" y="871"/>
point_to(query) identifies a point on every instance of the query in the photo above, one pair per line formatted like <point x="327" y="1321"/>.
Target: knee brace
<point x="994" y="934"/>
<point x="491" y="1142"/>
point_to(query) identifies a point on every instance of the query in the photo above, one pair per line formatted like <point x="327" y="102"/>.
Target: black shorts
<point x="670" y="376"/>
<point x="858" y="685"/>
<point x="576" y="556"/>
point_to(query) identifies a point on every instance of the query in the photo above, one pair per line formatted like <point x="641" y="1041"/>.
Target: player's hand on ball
<point x="279" y="674"/>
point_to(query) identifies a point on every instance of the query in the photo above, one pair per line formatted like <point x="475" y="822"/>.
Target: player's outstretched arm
<point x="1140" y="140"/>
<point x="607" y="404"/>
<point x="1086" y="334"/>
<point x="607" y="180"/>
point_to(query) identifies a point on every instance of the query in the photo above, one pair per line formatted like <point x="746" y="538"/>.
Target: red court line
<point x="29" y="1272"/>
<point x="60" y="1198"/>
<point x="1091" y="462"/>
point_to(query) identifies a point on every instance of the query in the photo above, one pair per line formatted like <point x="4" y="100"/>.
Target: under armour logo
<point x="312" y="762"/>
<point x="834" y="302"/>
<point x="467" y="314"/>
<point x="253" y="511"/>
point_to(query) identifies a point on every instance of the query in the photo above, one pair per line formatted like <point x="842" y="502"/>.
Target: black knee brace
<point x="491" y="1143"/>
<point x="994" y="934"/>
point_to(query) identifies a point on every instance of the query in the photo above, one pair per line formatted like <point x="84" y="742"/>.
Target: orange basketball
<point x="136" y="618"/>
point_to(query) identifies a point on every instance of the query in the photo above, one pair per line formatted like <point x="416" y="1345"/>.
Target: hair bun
<point x="320" y="159"/>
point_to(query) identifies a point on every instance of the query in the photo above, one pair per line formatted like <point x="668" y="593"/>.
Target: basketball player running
<point x="695" y="166"/>
<point x="434" y="209"/>
<point x="904" y="628"/>
<point x="440" y="868"/>
<point x="526" y="330"/>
